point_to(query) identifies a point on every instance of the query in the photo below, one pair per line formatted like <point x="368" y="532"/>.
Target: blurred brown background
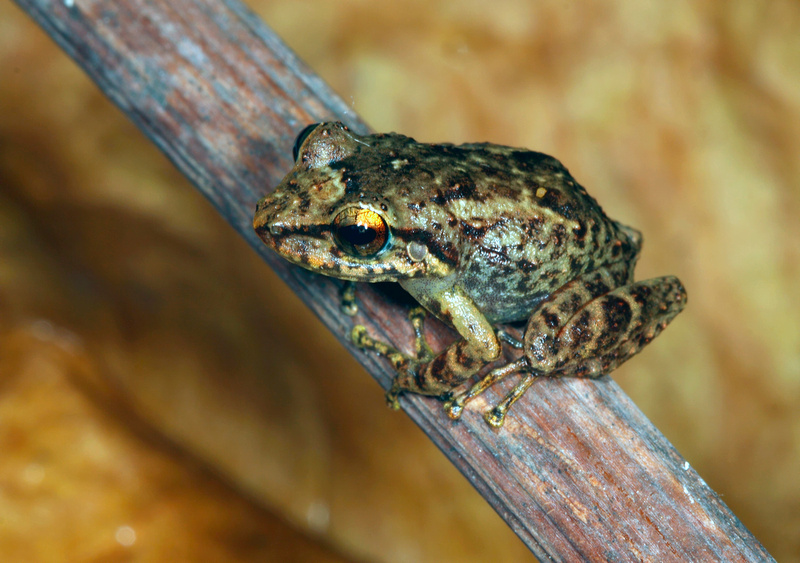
<point x="163" y="397"/>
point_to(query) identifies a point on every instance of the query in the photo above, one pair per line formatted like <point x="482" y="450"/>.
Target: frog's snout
<point x="274" y="220"/>
<point x="262" y="220"/>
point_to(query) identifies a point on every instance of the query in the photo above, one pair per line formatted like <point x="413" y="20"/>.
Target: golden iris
<point x="360" y="232"/>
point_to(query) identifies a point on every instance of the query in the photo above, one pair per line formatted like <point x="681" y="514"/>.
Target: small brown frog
<point x="479" y="234"/>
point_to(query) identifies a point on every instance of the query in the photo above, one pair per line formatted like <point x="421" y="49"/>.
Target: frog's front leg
<point x="461" y="359"/>
<point x="437" y="376"/>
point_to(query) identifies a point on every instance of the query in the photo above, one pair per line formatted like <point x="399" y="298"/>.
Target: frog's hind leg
<point x="571" y="335"/>
<point x="585" y="329"/>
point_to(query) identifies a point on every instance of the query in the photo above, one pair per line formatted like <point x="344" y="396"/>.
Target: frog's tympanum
<point x="479" y="234"/>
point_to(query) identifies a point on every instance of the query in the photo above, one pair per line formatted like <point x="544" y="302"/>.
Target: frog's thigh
<point x="599" y="335"/>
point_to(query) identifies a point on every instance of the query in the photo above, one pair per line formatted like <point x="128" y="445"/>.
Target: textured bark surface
<point x="577" y="472"/>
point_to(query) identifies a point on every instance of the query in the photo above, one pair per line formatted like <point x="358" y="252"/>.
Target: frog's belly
<point x="508" y="282"/>
<point x="499" y="312"/>
<point x="510" y="296"/>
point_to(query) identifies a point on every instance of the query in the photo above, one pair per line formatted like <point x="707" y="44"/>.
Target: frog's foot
<point x="406" y="367"/>
<point x="454" y="406"/>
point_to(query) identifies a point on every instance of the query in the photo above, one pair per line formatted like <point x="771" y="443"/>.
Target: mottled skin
<point x="479" y="234"/>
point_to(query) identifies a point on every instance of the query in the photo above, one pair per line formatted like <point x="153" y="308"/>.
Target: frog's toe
<point x="362" y="340"/>
<point x="350" y="308"/>
<point x="496" y="417"/>
<point x="348" y="299"/>
<point x="392" y="398"/>
<point x="359" y="337"/>
<point x="454" y="406"/>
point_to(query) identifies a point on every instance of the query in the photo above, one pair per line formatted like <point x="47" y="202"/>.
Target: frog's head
<point x="326" y="218"/>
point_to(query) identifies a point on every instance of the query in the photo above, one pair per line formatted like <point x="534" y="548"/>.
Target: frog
<point x="482" y="236"/>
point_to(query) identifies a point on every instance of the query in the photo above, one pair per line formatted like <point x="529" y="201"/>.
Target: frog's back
<point x="527" y="228"/>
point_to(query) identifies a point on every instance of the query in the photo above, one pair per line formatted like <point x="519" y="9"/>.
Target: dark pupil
<point x="358" y="235"/>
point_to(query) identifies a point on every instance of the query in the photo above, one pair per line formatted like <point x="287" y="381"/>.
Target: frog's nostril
<point x="276" y="230"/>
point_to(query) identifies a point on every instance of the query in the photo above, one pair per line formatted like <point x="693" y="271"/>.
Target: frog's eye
<point x="360" y="232"/>
<point x="301" y="138"/>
